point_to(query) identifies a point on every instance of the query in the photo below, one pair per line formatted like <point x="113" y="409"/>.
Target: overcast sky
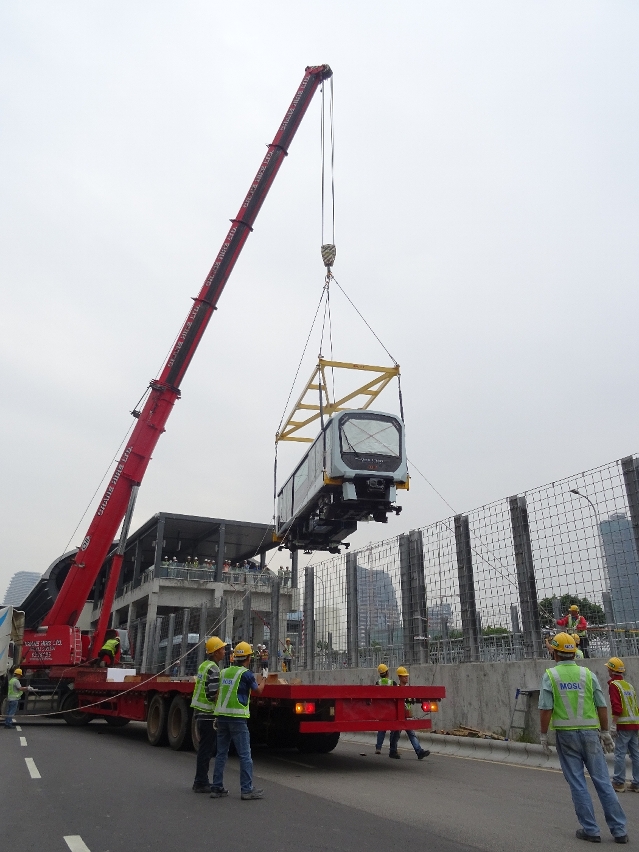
<point x="487" y="219"/>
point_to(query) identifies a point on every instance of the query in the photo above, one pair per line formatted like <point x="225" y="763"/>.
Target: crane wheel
<point x="70" y="713"/>
<point x="156" y="721"/>
<point x="178" y="725"/>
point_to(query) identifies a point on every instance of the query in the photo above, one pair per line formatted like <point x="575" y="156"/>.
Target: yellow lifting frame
<point x="309" y="398"/>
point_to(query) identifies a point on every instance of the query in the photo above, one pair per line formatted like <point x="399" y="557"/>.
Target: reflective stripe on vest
<point x="14" y="692"/>
<point x="572" y="626"/>
<point x="111" y="645"/>
<point x="629" y="709"/>
<point x="385" y="681"/>
<point x="228" y="703"/>
<point x="573" y="703"/>
<point x="199" y="700"/>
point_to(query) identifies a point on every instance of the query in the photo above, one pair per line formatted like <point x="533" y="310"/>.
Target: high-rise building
<point x="378" y="615"/>
<point x="622" y="566"/>
<point x="440" y="617"/>
<point x="19" y="587"/>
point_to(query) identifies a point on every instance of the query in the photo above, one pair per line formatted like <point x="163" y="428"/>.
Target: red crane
<point x="164" y="391"/>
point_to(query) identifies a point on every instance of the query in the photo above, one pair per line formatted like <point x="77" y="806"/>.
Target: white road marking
<point x="76" y="843"/>
<point x="33" y="769"/>
<point x="18" y="728"/>
<point x="23" y="741"/>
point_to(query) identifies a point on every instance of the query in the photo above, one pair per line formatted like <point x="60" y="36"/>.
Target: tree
<point x="494" y="631"/>
<point x="592" y="612"/>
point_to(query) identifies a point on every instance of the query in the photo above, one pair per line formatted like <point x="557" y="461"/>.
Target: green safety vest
<point x="14" y="692"/>
<point x="572" y="626"/>
<point x="111" y="645"/>
<point x="385" y="681"/>
<point x="199" y="700"/>
<point x="227" y="703"/>
<point x="579" y="655"/>
<point x="629" y="709"/>
<point x="573" y="702"/>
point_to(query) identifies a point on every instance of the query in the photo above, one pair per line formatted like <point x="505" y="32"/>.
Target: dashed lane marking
<point x="23" y="741"/>
<point x="33" y="769"/>
<point x="76" y="843"/>
<point x="18" y="728"/>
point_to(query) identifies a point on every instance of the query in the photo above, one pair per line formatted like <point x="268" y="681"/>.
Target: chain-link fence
<point x="489" y="584"/>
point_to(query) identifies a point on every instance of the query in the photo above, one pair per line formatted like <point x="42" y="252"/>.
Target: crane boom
<point x="165" y="390"/>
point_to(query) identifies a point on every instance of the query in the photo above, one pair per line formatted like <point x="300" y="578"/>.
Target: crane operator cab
<point x="350" y="473"/>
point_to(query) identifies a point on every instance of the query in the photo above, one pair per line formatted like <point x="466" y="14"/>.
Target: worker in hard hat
<point x="232" y="712"/>
<point x="110" y="649"/>
<point x="382" y="680"/>
<point x="207" y="684"/>
<point x="579" y="654"/>
<point x="576" y="623"/>
<point x="625" y="714"/>
<point x="287" y="655"/>
<point x="403" y="676"/>
<point x="572" y="704"/>
<point x="14" y="694"/>
<point x="264" y="660"/>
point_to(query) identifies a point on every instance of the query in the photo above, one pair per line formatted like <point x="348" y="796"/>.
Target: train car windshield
<point x="374" y="435"/>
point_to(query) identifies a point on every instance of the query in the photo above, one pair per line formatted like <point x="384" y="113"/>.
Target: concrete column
<point x="528" y="602"/>
<point x="630" y="468"/>
<point x="275" y="623"/>
<point x="137" y="562"/>
<point x="247" y="621"/>
<point x="220" y="554"/>
<point x="159" y="544"/>
<point x="466" y="588"/>
<point x="151" y="614"/>
<point x="294" y="569"/>
<point x="413" y="588"/>
<point x="170" y="656"/>
<point x="606" y="599"/>
<point x="155" y="647"/>
<point x="262" y="560"/>
<point x="184" y="647"/>
<point x="131" y="615"/>
<point x="556" y="608"/>
<point x="309" y="617"/>
<point x="137" y="657"/>
<point x="201" y="648"/>
<point x="352" y="611"/>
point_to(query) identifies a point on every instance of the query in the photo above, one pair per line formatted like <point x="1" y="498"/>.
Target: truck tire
<point x="317" y="743"/>
<point x="116" y="721"/>
<point x="178" y="724"/>
<point x="156" y="721"/>
<point x="70" y="713"/>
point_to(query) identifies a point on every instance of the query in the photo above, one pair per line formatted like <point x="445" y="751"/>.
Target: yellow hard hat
<point x="19" y="671"/>
<point x="575" y="636"/>
<point x="242" y="650"/>
<point x="574" y="608"/>
<point x="402" y="672"/>
<point x="562" y="642"/>
<point x="214" y="644"/>
<point x="616" y="665"/>
<point x="382" y="667"/>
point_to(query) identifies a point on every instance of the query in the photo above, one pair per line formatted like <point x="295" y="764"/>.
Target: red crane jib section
<point x="164" y="391"/>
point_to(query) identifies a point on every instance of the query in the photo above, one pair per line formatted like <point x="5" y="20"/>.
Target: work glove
<point x="613" y="730"/>
<point x="607" y="742"/>
<point x="544" y="745"/>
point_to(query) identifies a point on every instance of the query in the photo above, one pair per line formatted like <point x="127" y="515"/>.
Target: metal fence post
<point x="294" y="569"/>
<point x="223" y="626"/>
<point x="525" y="577"/>
<point x="352" y="619"/>
<point x="155" y="652"/>
<point x="219" y="566"/>
<point x="275" y="624"/>
<point x="309" y="617"/>
<point x="184" y="647"/>
<point x="556" y="608"/>
<point x="247" y="624"/>
<point x="201" y="648"/>
<point x="413" y="588"/>
<point x="466" y="588"/>
<point x="168" y="660"/>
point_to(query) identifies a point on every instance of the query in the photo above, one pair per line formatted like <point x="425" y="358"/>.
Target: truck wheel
<point x="179" y="724"/>
<point x="156" y="721"/>
<point x="116" y="721"/>
<point x="317" y="743"/>
<point x="70" y="713"/>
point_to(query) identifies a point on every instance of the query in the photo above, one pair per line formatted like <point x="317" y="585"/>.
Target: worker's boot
<point x="253" y="794"/>
<point x="580" y="834"/>
<point x="618" y="788"/>
<point x="394" y="755"/>
<point x="201" y="788"/>
<point x="218" y="792"/>
<point x="634" y="788"/>
<point x="422" y="754"/>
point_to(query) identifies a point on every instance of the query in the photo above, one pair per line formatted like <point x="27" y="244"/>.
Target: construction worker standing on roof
<point x="207" y="684"/>
<point x="572" y="704"/>
<point x="576" y="623"/>
<point x="232" y="712"/>
<point x="402" y="674"/>
<point x="382" y="680"/>
<point x="625" y="714"/>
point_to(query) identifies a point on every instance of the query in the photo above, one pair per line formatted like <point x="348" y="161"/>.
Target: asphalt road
<point x="109" y="791"/>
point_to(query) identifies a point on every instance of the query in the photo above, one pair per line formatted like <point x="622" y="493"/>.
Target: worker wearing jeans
<point x="232" y="712"/>
<point x="383" y="680"/>
<point x="402" y="674"/>
<point x="625" y="713"/>
<point x="207" y="684"/>
<point x="572" y="703"/>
